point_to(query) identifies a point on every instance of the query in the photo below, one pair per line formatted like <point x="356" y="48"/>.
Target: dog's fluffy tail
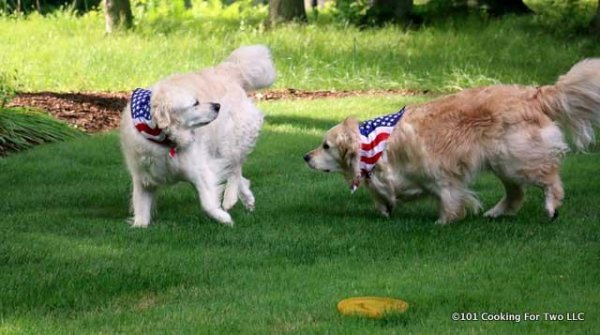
<point x="574" y="101"/>
<point x="252" y="65"/>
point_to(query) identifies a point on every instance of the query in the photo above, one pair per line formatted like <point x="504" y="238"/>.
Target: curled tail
<point x="574" y="101"/>
<point x="252" y="65"/>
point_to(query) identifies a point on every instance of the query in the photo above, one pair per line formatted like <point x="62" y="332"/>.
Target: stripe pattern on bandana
<point x="142" y="119"/>
<point x="373" y="139"/>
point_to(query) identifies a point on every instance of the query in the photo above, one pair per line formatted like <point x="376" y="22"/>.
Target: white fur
<point x="207" y="156"/>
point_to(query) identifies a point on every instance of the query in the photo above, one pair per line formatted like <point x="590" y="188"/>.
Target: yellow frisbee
<point x="371" y="307"/>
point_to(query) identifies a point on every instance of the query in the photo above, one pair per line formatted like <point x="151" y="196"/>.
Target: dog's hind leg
<point x="511" y="202"/>
<point x="143" y="198"/>
<point x="535" y="160"/>
<point x="554" y="194"/>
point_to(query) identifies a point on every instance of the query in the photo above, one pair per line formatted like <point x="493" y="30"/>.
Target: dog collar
<point x="143" y="122"/>
<point x="373" y="139"/>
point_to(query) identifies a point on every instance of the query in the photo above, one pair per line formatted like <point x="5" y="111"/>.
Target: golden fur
<point x="438" y="147"/>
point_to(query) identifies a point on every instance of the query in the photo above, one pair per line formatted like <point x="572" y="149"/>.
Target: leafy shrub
<point x="351" y="11"/>
<point x="7" y="90"/>
<point x="158" y="16"/>
<point x="564" y="16"/>
<point x="21" y="129"/>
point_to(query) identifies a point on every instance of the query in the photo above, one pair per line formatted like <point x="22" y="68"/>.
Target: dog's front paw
<point x="246" y="195"/>
<point x="492" y="213"/>
<point x="384" y="209"/>
<point x="221" y="216"/>
<point x="248" y="202"/>
<point x="139" y="223"/>
<point x="443" y="221"/>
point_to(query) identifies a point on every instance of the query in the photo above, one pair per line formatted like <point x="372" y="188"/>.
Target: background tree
<point x="286" y="10"/>
<point x="596" y="21"/>
<point x="117" y="15"/>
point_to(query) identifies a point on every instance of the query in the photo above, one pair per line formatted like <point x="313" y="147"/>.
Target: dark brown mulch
<point x="91" y="112"/>
<point x="101" y="111"/>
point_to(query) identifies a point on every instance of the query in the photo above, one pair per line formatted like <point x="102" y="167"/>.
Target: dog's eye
<point x="325" y="146"/>
<point x="196" y="103"/>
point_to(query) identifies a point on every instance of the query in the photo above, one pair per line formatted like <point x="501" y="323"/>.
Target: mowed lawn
<point x="69" y="263"/>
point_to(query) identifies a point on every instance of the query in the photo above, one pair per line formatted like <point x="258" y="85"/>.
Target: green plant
<point x="165" y="17"/>
<point x="21" y="129"/>
<point x="564" y="16"/>
<point x="350" y="11"/>
<point x="7" y="90"/>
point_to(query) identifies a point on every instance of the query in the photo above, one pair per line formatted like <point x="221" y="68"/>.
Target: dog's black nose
<point x="216" y="106"/>
<point x="307" y="157"/>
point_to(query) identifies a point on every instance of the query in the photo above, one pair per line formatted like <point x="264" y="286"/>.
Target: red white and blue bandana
<point x="373" y="139"/>
<point x="143" y="122"/>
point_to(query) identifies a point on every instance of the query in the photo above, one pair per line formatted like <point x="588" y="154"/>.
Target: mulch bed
<point x="101" y="111"/>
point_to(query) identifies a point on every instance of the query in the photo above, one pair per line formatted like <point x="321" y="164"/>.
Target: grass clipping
<point x="21" y="129"/>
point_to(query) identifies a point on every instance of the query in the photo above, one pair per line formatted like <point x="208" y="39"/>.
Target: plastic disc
<point x="371" y="307"/>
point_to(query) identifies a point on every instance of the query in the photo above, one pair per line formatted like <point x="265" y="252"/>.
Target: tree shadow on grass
<point x="301" y="122"/>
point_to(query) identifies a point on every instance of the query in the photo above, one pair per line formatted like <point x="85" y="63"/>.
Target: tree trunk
<point x="595" y="26"/>
<point x="286" y="10"/>
<point x="382" y="11"/>
<point x="117" y="14"/>
<point x="502" y="7"/>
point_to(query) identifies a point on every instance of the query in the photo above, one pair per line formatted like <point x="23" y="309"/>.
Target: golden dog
<point x="438" y="147"/>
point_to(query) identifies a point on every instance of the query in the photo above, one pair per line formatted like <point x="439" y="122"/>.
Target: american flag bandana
<point x="373" y="138"/>
<point x="142" y="119"/>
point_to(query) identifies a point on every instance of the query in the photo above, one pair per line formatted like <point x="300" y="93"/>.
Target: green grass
<point x="63" y="53"/>
<point x="70" y="264"/>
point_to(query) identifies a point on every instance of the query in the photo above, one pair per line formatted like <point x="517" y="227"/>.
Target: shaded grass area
<point x="444" y="56"/>
<point x="70" y="264"/>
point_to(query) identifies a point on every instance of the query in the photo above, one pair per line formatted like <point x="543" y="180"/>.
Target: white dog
<point x="197" y="127"/>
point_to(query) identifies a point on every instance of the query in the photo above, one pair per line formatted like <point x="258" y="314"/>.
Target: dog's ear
<point x="349" y="146"/>
<point x="351" y="123"/>
<point x="161" y="112"/>
<point x="348" y="141"/>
